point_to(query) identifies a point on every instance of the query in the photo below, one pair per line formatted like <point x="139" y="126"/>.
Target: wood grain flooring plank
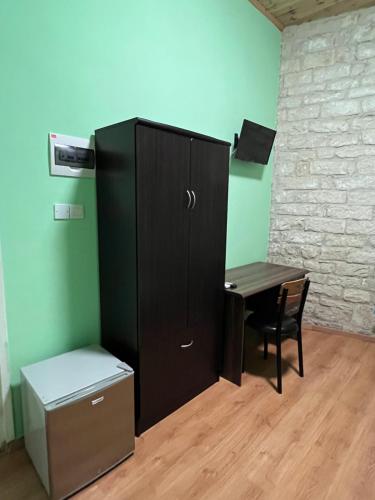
<point x="316" y="441"/>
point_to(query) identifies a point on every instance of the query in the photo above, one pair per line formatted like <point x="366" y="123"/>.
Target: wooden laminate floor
<point x="316" y="441"/>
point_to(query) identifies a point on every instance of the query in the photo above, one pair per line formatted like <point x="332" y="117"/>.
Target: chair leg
<point x="265" y="350"/>
<point x="278" y="363"/>
<point x="300" y="352"/>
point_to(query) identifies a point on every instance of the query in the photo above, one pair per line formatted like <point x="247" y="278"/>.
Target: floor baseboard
<point x="14" y="445"/>
<point x="333" y="331"/>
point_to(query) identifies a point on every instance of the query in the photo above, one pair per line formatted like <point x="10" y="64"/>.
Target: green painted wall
<point x="76" y="65"/>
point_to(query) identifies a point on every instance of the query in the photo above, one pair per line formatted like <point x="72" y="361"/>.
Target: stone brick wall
<point x="323" y="199"/>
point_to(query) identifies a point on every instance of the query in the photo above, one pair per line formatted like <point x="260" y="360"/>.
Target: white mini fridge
<point x="78" y="414"/>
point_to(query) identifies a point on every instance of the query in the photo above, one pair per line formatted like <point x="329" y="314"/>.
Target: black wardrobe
<point x="162" y="212"/>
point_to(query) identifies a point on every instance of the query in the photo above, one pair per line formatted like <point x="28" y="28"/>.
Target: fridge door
<point x="89" y="436"/>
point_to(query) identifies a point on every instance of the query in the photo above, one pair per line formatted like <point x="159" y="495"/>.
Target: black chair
<point x="284" y="322"/>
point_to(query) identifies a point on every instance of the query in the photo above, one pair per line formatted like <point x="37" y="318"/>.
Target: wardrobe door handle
<point x="184" y="346"/>
<point x="189" y="195"/>
<point x="195" y="200"/>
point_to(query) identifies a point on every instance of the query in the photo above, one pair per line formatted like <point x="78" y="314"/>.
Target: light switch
<point x="76" y="212"/>
<point x="66" y="211"/>
<point x="61" y="211"/>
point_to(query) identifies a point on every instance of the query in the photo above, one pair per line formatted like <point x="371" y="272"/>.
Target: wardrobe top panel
<point x="169" y="128"/>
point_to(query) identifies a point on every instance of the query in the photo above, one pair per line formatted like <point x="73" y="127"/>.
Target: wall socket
<point x="67" y="211"/>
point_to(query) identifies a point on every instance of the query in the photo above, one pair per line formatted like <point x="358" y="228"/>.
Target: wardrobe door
<point x="208" y="223"/>
<point x="163" y="171"/>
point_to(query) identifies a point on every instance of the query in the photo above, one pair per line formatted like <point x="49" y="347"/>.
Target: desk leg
<point x="233" y="338"/>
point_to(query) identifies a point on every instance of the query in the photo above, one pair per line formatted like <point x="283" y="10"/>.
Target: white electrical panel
<point x="71" y="156"/>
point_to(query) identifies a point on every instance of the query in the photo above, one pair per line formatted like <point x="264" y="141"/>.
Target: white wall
<point x="323" y="203"/>
<point x="6" y="416"/>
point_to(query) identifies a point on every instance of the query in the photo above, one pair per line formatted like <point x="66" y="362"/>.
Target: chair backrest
<point x="292" y="296"/>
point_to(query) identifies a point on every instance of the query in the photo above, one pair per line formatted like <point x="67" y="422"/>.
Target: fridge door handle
<point x="97" y="400"/>
<point x="189" y="196"/>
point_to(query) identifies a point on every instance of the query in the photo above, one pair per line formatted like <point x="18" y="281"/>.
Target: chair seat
<point x="268" y="325"/>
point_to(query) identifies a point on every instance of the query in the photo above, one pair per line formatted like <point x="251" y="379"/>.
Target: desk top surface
<point x="254" y="278"/>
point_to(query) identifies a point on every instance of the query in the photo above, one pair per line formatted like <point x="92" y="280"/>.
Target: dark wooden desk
<point x="251" y="279"/>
